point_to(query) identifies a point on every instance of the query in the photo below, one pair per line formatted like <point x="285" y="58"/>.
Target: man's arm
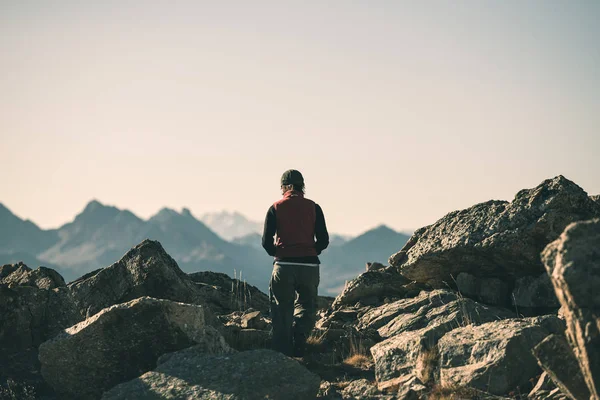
<point x="320" y="230"/>
<point x="269" y="231"/>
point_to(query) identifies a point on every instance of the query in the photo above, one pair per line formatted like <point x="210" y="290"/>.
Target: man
<point x="296" y="221"/>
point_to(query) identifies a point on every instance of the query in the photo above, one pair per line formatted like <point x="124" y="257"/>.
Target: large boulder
<point x="28" y="317"/>
<point x="573" y="263"/>
<point x="145" y="270"/>
<point x="496" y="239"/>
<point x="122" y="342"/>
<point x="190" y="374"/>
<point x="20" y="274"/>
<point x="494" y="357"/>
<point x="414" y="326"/>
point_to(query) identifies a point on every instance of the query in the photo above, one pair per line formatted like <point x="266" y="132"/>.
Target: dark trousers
<point x="293" y="294"/>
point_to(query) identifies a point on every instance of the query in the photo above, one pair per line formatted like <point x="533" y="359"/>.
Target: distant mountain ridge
<point x="100" y="235"/>
<point x="231" y="225"/>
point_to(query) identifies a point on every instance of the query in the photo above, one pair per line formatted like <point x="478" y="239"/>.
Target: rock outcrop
<point x="28" y="317"/>
<point x="145" y="270"/>
<point x="496" y="239"/>
<point x="122" y="342"/>
<point x="255" y="374"/>
<point x="573" y="263"/>
<point x="20" y="274"/>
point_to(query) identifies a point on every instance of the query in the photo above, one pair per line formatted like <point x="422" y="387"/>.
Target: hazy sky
<point x="396" y="112"/>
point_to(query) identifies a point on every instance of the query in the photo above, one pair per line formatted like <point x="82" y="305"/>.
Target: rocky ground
<point x="497" y="301"/>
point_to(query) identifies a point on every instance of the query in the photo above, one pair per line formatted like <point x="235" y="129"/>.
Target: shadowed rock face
<point x="249" y="375"/>
<point x="122" y="342"/>
<point x="145" y="270"/>
<point x="556" y="357"/>
<point x="496" y="239"/>
<point x="573" y="263"/>
<point x="30" y="315"/>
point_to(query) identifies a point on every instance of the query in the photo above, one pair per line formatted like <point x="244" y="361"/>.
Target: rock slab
<point x="573" y="263"/>
<point x="248" y="375"/>
<point x="122" y="342"/>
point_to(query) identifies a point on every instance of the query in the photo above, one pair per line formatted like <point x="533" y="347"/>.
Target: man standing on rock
<point x="296" y="221"/>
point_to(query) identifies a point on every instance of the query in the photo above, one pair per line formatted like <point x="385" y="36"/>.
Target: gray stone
<point x="556" y="358"/>
<point x="414" y="326"/>
<point x="145" y="270"/>
<point x="573" y="264"/>
<point x="494" y="357"/>
<point x="248" y="375"/>
<point x="122" y="342"/>
<point x="496" y="239"/>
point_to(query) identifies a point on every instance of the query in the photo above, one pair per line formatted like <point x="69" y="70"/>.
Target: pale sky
<point x="395" y="112"/>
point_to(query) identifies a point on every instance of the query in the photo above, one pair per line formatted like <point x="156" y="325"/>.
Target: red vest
<point x="295" y="226"/>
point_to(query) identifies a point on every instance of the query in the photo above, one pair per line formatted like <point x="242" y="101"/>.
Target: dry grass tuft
<point x="361" y="361"/>
<point x="440" y="392"/>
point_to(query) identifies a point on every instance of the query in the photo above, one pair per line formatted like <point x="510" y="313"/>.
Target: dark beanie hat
<point x="292" y="177"/>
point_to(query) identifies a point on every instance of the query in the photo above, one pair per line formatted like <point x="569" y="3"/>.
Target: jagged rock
<point x="413" y="327"/>
<point x="253" y="320"/>
<point x="20" y="274"/>
<point x="373" y="286"/>
<point x="255" y="374"/>
<point x="596" y="198"/>
<point x="534" y="294"/>
<point x="8" y="269"/>
<point x="122" y="342"/>
<point x="374" y="266"/>
<point x="439" y="310"/>
<point x="496" y="239"/>
<point x="494" y="357"/>
<point x="573" y="264"/>
<point x="246" y="330"/>
<point x="28" y="317"/>
<point x="225" y="295"/>
<point x="146" y="270"/>
<point x="545" y="389"/>
<point x="486" y="290"/>
<point x="328" y="391"/>
<point x="556" y="358"/>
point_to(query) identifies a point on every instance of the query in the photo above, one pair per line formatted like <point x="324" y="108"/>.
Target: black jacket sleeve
<point x="269" y="231"/>
<point x="320" y="231"/>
